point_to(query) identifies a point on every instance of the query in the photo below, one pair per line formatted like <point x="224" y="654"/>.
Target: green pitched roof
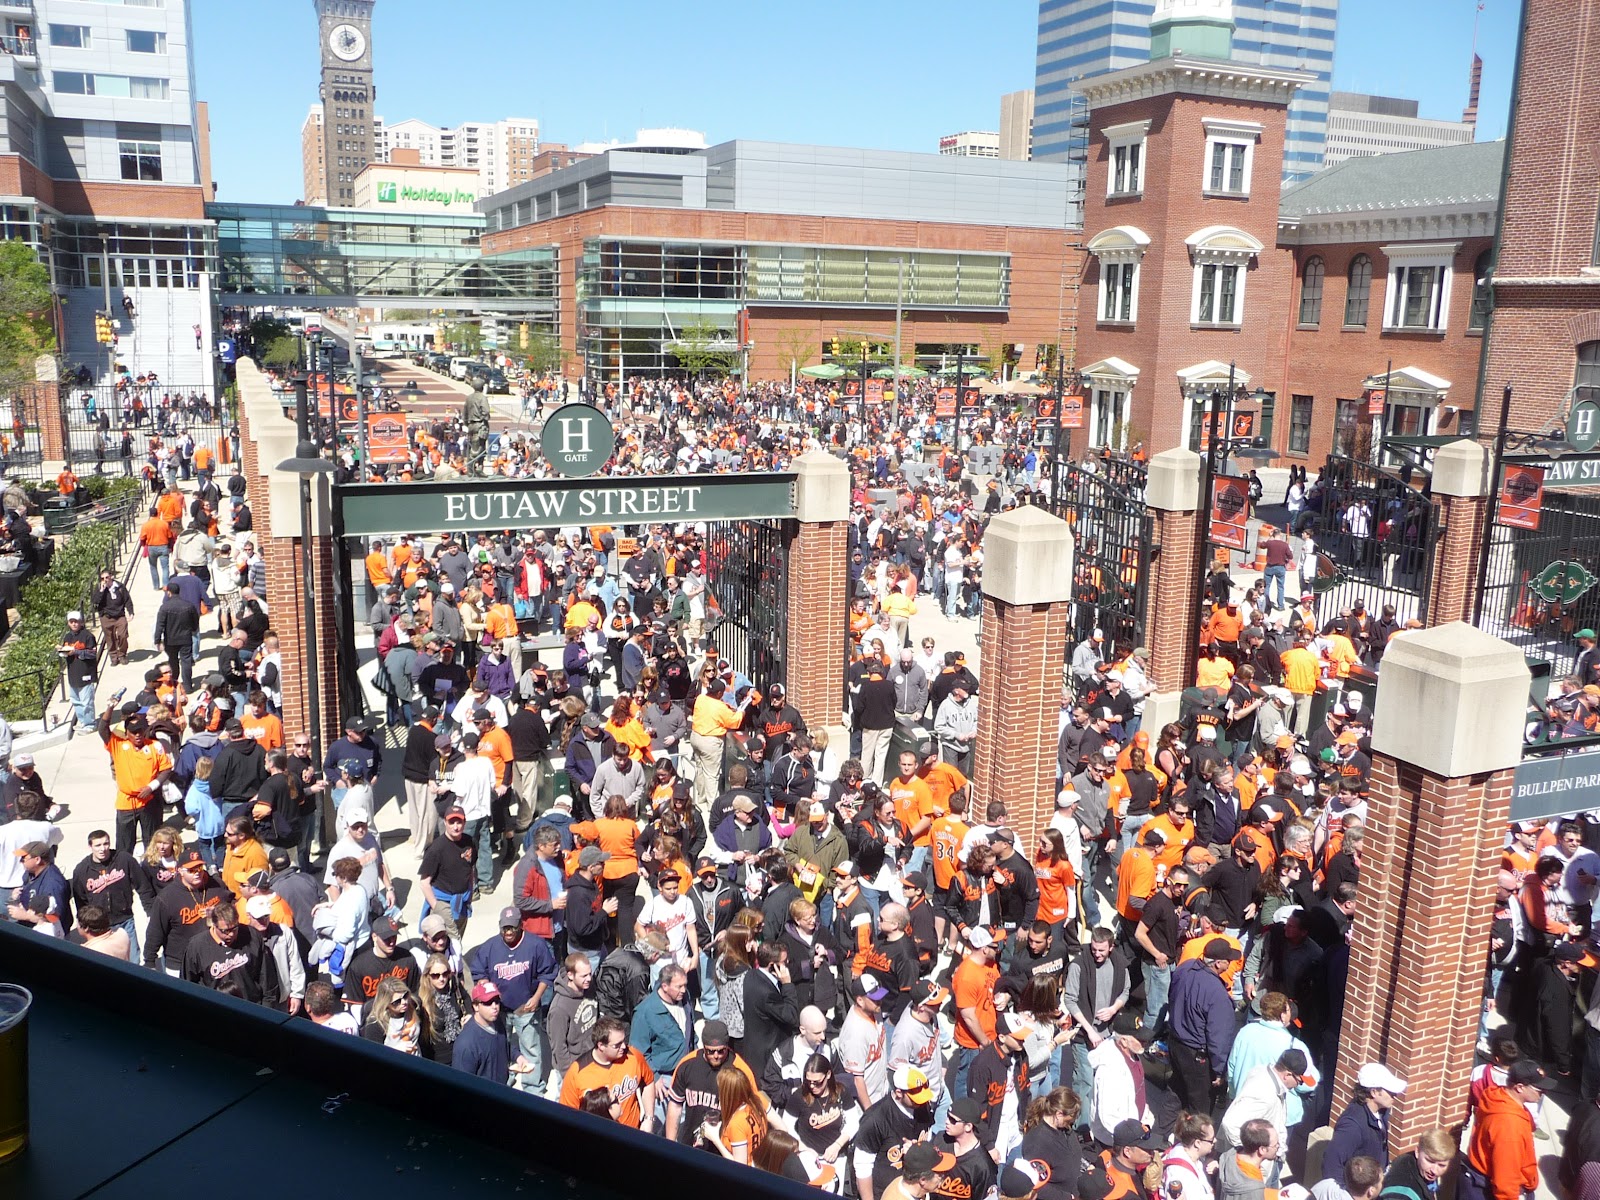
<point x="1465" y="174"/>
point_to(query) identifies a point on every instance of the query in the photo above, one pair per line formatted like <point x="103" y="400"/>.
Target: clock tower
<point x="348" y="96"/>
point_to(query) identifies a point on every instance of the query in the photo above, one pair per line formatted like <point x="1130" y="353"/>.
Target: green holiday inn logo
<point x="391" y="192"/>
<point x="388" y="193"/>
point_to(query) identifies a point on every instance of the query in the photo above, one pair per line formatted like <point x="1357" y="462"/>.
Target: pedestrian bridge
<point x="278" y="255"/>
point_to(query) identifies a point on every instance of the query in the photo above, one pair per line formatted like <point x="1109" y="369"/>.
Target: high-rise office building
<point x="1079" y="39"/>
<point x="1016" y="125"/>
<point x="971" y="143"/>
<point x="1362" y="126"/>
<point x="104" y="173"/>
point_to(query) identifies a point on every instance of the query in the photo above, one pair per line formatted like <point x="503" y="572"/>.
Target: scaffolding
<point x="1072" y="232"/>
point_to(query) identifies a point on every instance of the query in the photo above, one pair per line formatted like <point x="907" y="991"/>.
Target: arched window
<point x="1311" y="292"/>
<point x="1359" y="293"/>
<point x="1482" y="271"/>
<point x="1587" y="380"/>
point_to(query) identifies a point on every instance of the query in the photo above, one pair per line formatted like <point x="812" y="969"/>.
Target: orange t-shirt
<point x="378" y="569"/>
<point x="267" y="730"/>
<point x="624" y="1080"/>
<point x="944" y="781"/>
<point x="1213" y="672"/>
<point x="913" y="802"/>
<point x="1196" y="946"/>
<point x="972" y="986"/>
<point x="945" y="836"/>
<point x="496" y="747"/>
<point x="155" y="532"/>
<point x="169" y="506"/>
<point x="202" y="458"/>
<point x="1056" y="881"/>
<point x="616" y="836"/>
<point x="501" y="621"/>
<point x="1136" y="880"/>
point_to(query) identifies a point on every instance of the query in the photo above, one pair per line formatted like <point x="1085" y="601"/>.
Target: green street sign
<point x="1583" y="426"/>
<point x="577" y="440"/>
<point x="468" y="505"/>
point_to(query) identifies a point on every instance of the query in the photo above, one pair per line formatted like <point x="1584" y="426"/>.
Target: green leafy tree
<point x="543" y="354"/>
<point x="697" y="352"/>
<point x="796" y="347"/>
<point x="264" y="330"/>
<point x="281" y="353"/>
<point x="466" y="337"/>
<point x="26" y="327"/>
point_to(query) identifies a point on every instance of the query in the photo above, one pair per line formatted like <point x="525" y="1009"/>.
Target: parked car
<point x="494" y="382"/>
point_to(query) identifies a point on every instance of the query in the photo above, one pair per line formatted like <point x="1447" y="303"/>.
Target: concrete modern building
<point x="101" y="169"/>
<point x="970" y="144"/>
<point x="1080" y="39"/>
<point x="806" y="242"/>
<point x="1361" y="126"/>
<point x="1016" y="125"/>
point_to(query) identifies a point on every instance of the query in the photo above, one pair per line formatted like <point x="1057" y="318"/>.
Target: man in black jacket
<point x="771" y="1011"/>
<point x="1546" y="1032"/>
<point x="623" y="980"/>
<point x="588" y="926"/>
<point x="109" y="878"/>
<point x="417" y="769"/>
<point x="231" y="956"/>
<point x="239" y="769"/>
<point x="179" y="912"/>
<point x="113" y="604"/>
<point x="999" y="1067"/>
<point x="177" y="629"/>
<point x="530" y="742"/>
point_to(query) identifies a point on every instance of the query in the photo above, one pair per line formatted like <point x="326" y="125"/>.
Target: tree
<point x="264" y="330"/>
<point x="281" y="353"/>
<point x="696" y="350"/>
<point x="466" y="337"/>
<point x="795" y="347"/>
<point x="27" y="329"/>
<point x="405" y="314"/>
<point x="543" y="353"/>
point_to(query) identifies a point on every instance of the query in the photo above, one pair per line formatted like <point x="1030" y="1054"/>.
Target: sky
<point x="887" y="74"/>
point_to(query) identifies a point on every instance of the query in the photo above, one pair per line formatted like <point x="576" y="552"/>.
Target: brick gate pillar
<point x="819" y="588"/>
<point x="1447" y="735"/>
<point x="1172" y="614"/>
<point x="47" y="404"/>
<point x="1027" y="593"/>
<point x="267" y="437"/>
<point x="1460" y="482"/>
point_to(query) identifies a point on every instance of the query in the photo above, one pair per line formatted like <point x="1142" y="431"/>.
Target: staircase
<point x="159" y="338"/>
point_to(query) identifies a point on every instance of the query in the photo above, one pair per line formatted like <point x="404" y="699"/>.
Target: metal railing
<point x="19" y="47"/>
<point x="44" y="683"/>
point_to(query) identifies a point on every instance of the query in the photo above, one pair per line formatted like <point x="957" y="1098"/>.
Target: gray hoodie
<point x="570" y="1024"/>
<point x="1239" y="1182"/>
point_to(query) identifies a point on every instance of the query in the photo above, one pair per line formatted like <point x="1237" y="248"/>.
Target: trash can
<point x="59" y="515"/>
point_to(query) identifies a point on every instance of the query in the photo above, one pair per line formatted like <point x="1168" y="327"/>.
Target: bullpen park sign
<point x="467" y="505"/>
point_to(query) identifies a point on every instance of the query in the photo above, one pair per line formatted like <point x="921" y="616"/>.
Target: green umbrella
<point x="905" y="373"/>
<point x="968" y="371"/>
<point x="824" y="371"/>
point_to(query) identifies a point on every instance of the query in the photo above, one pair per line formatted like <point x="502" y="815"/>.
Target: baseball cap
<point x="74" y="615"/>
<point x="926" y="991"/>
<point x="911" y="1080"/>
<point x="1003" y="835"/>
<point x="258" y="879"/>
<point x="455" y="813"/>
<point x="845" y="870"/>
<point x="967" y="1109"/>
<point x="1586" y="633"/>
<point x="979" y="938"/>
<point x="484" y="991"/>
<point x="1015" y="1024"/>
<point x="1376" y="1075"/>
<point x="1572" y="952"/>
<point x="1285" y="741"/>
<point x="1295" y="1062"/>
<point x="22" y="760"/>
<point x="870" y="987"/>
<point x="278" y="860"/>
<point x="817" y="811"/>
<point x="705" y="866"/>
<point x="1109" y="750"/>
<point x="188" y="859"/>
<point x="1218" y="950"/>
<point x="925" y="1158"/>
<point x="509" y="916"/>
<point x="1020" y="1179"/>
<point x="1066" y="798"/>
<point x="385" y="928"/>
<point x="592" y="855"/>
<point x="38" y="850"/>
<point x="743" y="804"/>
<point x="1131" y="1133"/>
<point x="354" y="814"/>
<point x="259" y="907"/>
<point x="1347" y="739"/>
<point x="353" y="725"/>
<point x="1527" y="1073"/>
<point x="915" y="879"/>
<point x="714" y="1035"/>
<point x="433" y="924"/>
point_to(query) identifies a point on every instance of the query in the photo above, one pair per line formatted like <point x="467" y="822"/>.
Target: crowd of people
<point x="825" y="957"/>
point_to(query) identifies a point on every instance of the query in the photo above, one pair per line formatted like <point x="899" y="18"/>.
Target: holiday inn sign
<point x="390" y="192"/>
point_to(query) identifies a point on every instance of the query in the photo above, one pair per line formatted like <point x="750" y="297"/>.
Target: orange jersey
<point x="945" y="836"/>
<point x="624" y="1080"/>
<point x="913" y="802"/>
<point x="1056" y="886"/>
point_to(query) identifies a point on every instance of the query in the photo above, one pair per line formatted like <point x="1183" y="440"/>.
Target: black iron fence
<point x="110" y="427"/>
<point x="1373" y="535"/>
<point x="21" y="449"/>
<point x="1540" y="586"/>
<point x="748" y="580"/>
<point x="1103" y="500"/>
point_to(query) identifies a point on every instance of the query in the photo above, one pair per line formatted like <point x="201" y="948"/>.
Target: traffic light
<point x="103" y="333"/>
<point x="838" y="348"/>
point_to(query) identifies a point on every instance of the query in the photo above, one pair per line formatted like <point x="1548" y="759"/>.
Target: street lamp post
<point x="1207" y="479"/>
<point x="899" y="307"/>
<point x="961" y="360"/>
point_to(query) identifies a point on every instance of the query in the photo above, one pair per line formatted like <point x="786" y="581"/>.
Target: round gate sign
<point x="577" y="439"/>
<point x="1583" y="426"/>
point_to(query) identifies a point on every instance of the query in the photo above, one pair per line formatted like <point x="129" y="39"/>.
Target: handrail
<point x="44" y="682"/>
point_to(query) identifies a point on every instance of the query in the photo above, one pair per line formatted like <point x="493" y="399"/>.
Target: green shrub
<point x="42" y="610"/>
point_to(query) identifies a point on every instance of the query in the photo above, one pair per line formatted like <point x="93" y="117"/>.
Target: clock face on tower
<point x="347" y="42"/>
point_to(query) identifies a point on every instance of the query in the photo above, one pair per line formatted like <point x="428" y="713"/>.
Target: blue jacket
<point x="199" y="803"/>
<point x="1259" y="1044"/>
<point x="52" y="884"/>
<point x="199" y="745"/>
<point x="560" y="821"/>
<point x="1200" y="1013"/>
<point x="516" y="971"/>
<point x="1358" y="1132"/>
<point x="656" y="1034"/>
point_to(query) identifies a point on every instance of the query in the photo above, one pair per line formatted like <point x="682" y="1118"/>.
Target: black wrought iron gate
<point x="747" y="578"/>
<point x="1373" y="536"/>
<point x="1103" y="500"/>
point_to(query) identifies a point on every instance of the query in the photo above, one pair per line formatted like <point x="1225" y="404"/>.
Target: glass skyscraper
<point x="1081" y="38"/>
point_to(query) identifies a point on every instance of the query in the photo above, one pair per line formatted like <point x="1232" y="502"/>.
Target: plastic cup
<point x="15" y="1002"/>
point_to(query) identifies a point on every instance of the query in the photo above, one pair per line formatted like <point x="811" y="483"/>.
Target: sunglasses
<point x="438" y="974"/>
<point x="489" y="1003"/>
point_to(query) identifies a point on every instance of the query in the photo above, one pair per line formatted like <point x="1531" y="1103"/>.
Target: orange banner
<point x="1230" y="510"/>
<point x="1521" y="497"/>
<point x="386" y="438"/>
<point x="874" y="391"/>
<point x="944" y="402"/>
<point x="1072" y="412"/>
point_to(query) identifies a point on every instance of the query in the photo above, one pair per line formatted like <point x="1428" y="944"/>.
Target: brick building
<point x="1546" y="319"/>
<point x="1351" y="306"/>
<point x="810" y="243"/>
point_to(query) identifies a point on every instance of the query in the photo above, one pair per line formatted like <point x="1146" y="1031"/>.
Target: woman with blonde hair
<point x="397" y="1020"/>
<point x="161" y="855"/>
<point x="624" y="726"/>
<point x="445" y="1003"/>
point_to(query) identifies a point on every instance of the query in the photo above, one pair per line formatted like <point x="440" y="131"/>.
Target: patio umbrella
<point x="824" y="371"/>
<point x="1023" y="387"/>
<point x="905" y="373"/>
<point x="968" y="371"/>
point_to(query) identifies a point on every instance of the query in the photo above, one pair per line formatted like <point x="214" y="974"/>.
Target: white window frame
<point x="1402" y="260"/>
<point x="1217" y="264"/>
<point x="1126" y="268"/>
<point x="1120" y="402"/>
<point x="1125" y="138"/>
<point x="1206" y="254"/>
<point x="1225" y="131"/>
